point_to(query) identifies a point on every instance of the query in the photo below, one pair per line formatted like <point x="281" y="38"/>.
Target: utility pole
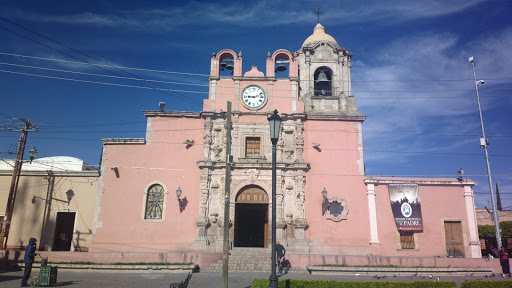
<point x="4" y="234"/>
<point x="484" y="144"/>
<point x="229" y="161"/>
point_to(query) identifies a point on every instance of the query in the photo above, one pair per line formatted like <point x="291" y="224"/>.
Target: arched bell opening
<point x="251" y="217"/>
<point x="226" y="65"/>
<point x="282" y="66"/>
<point x="323" y="82"/>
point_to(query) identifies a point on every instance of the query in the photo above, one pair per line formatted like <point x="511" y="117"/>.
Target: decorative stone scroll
<point x="337" y="209"/>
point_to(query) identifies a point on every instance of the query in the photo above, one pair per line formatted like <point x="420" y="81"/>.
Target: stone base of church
<point x="299" y="261"/>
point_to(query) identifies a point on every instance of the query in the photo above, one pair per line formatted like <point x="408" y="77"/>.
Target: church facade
<point x="166" y="192"/>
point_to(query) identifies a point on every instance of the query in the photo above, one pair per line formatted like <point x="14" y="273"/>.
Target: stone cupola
<point x="324" y="72"/>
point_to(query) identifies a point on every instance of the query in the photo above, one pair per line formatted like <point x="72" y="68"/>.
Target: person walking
<point x="280" y="254"/>
<point x="504" y="255"/>
<point x="30" y="253"/>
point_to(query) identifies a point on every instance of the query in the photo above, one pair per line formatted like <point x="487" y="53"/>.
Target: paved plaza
<point x="90" y="278"/>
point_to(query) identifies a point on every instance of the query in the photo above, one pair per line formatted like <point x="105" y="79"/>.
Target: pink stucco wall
<point x="334" y="165"/>
<point x="164" y="160"/>
<point x="438" y="203"/>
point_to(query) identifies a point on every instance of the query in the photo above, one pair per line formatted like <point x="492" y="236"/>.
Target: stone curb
<point x="176" y="268"/>
<point x="411" y="270"/>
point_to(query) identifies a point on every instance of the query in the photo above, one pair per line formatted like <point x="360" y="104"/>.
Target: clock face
<point x="253" y="97"/>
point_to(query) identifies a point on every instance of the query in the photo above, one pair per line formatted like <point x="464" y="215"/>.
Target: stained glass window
<point x="154" y="202"/>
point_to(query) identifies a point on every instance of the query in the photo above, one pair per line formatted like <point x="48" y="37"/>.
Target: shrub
<point x="292" y="283"/>
<point x="487" y="283"/>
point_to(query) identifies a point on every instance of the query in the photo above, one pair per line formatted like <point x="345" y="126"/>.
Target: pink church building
<point x="326" y="205"/>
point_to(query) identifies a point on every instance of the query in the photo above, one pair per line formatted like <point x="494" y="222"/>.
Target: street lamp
<point x="484" y="144"/>
<point x="275" y="123"/>
<point x="32" y="153"/>
<point x="178" y="193"/>
<point x="325" y="202"/>
<point x="460" y="172"/>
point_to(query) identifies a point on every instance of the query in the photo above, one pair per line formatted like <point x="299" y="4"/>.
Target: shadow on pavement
<point x="65" y="283"/>
<point x="10" y="278"/>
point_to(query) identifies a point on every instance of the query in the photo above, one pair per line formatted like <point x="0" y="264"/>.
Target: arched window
<point x="323" y="82"/>
<point x="154" y="202"/>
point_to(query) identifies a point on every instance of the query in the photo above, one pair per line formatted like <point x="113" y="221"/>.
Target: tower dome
<point x="319" y="35"/>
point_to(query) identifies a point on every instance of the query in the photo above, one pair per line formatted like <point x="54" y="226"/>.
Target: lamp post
<point x="484" y="144"/>
<point x="178" y="193"/>
<point x="275" y="123"/>
<point x="32" y="154"/>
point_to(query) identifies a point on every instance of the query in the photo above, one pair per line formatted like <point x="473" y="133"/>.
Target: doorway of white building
<point x="64" y="226"/>
<point x="251" y="218"/>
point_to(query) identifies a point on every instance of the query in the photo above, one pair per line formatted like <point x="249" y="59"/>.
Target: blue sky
<point x="410" y="73"/>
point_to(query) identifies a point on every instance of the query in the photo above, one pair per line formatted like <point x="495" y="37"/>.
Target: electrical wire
<point x="100" y="75"/>
<point x="207" y="75"/>
<point x="102" y="83"/>
<point x="285" y="97"/>
<point x="114" y="66"/>
<point x="38" y="42"/>
<point x="283" y="90"/>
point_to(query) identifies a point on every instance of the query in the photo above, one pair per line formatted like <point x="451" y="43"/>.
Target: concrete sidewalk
<point x="110" y="279"/>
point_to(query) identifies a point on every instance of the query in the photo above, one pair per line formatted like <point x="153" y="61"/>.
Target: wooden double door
<point x="454" y="239"/>
<point x="251" y="218"/>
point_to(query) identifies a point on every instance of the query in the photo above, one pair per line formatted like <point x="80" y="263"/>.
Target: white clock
<point x="253" y="97"/>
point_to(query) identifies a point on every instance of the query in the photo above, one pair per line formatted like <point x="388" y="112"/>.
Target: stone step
<point x="247" y="259"/>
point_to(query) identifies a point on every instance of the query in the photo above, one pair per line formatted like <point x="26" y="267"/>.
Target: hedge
<point x="487" y="283"/>
<point x="292" y="283"/>
<point x="488" y="231"/>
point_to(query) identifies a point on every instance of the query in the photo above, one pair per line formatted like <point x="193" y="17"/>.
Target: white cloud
<point x="436" y="57"/>
<point x="256" y="14"/>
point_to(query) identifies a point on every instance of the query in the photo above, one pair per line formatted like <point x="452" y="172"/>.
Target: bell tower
<point x="324" y="71"/>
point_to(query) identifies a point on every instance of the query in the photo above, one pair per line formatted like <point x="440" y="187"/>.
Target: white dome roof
<point x="319" y="35"/>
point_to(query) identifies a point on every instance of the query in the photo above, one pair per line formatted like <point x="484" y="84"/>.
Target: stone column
<point x="202" y="220"/>
<point x="474" y="242"/>
<point x="374" y="235"/>
<point x="212" y="94"/>
<point x="294" y="96"/>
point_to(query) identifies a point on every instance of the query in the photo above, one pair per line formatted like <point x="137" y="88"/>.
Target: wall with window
<point x="138" y="209"/>
<point x="446" y="229"/>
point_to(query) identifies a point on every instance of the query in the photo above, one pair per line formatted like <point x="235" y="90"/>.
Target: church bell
<point x="322" y="78"/>
<point x="281" y="68"/>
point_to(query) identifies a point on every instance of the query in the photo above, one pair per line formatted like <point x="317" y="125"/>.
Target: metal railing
<point x="325" y="92"/>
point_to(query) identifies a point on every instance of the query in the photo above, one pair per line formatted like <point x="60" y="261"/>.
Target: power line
<point x="305" y="148"/>
<point x="100" y="75"/>
<point x="191" y="129"/>
<point x="114" y="66"/>
<point x="207" y="75"/>
<point x="96" y="65"/>
<point x="199" y="92"/>
<point x="287" y="90"/>
<point x="103" y="83"/>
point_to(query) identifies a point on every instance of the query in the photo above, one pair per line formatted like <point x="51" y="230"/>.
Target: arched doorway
<point x="251" y="217"/>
